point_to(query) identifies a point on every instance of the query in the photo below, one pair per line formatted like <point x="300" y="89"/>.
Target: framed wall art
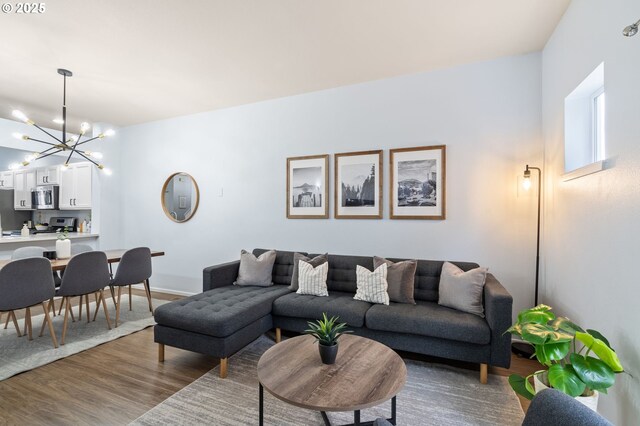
<point x="418" y="182"/>
<point x="358" y="185"/>
<point x="308" y="187"/>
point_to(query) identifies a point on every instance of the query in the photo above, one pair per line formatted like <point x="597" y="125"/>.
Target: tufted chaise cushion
<point x="220" y="312"/>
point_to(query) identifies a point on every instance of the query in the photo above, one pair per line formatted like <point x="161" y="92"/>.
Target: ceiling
<point x="145" y="60"/>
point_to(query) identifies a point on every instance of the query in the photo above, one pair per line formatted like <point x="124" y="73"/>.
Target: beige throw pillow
<point x="256" y="270"/>
<point x="462" y="290"/>
<point x="400" y="277"/>
<point x="312" y="280"/>
<point x="372" y="286"/>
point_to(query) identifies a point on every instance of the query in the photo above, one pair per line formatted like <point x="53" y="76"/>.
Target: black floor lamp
<point x="521" y="348"/>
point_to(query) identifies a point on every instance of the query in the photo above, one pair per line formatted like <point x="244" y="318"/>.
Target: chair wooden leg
<point x="147" y="287"/>
<point x="86" y="301"/>
<point x="61" y="306"/>
<point x="47" y="319"/>
<point x="98" y="301"/>
<point x="118" y="306"/>
<point x="80" y="308"/>
<point x="53" y="303"/>
<point x="130" y="307"/>
<point x="104" y="307"/>
<point x="484" y="370"/>
<point x="160" y="352"/>
<point x="6" y="323"/>
<point x="12" y="315"/>
<point x="224" y="365"/>
<point x="278" y="335"/>
<point x="113" y="296"/>
<point x="27" y="321"/>
<point x="67" y="308"/>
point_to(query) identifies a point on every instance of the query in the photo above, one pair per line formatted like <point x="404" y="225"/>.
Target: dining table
<point x="113" y="256"/>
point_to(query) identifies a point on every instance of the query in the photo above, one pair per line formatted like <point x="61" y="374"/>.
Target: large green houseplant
<point x="580" y="362"/>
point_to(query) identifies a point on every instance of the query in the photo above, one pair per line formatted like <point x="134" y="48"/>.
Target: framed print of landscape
<point x="308" y="187"/>
<point x="358" y="185"/>
<point x="418" y="182"/>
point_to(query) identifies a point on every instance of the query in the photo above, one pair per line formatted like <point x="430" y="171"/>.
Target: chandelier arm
<point x="38" y="127"/>
<point x="87" y="158"/>
<point x="73" y="148"/>
<point x="38" y="140"/>
<point x="51" y="153"/>
<point x="89" y="140"/>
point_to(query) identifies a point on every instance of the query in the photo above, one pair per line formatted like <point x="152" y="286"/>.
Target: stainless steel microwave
<point x="45" y="197"/>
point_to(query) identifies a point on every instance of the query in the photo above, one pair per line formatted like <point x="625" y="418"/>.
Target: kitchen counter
<point x="44" y="237"/>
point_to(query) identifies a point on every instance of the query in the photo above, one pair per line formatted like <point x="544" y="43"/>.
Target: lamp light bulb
<point x="110" y="132"/>
<point x="14" y="166"/>
<point x="526" y="183"/>
<point x="84" y="126"/>
<point x="32" y="156"/>
<point x="20" y="136"/>
<point x="58" y="120"/>
<point x="94" y="154"/>
<point x="73" y="138"/>
<point x="20" y="115"/>
<point x="105" y="170"/>
<point x="64" y="167"/>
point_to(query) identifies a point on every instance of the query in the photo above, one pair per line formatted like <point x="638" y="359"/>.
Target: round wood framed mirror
<point x="180" y="197"/>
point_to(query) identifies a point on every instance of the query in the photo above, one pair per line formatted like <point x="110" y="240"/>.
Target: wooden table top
<point x="366" y="374"/>
<point x="113" y="256"/>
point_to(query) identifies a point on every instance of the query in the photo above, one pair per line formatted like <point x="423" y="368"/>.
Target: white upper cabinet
<point x="75" y="187"/>
<point x="6" y="180"/>
<point x="23" y="182"/>
<point x="48" y="175"/>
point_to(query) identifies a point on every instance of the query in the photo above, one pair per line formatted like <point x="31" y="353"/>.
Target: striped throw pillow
<point x="312" y="280"/>
<point x="372" y="286"/>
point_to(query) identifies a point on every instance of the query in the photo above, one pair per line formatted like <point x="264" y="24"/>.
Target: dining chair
<point x="134" y="268"/>
<point x="26" y="283"/>
<point x="85" y="274"/>
<point x="76" y="249"/>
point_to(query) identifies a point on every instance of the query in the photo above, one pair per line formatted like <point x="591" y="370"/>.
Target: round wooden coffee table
<point x="366" y="374"/>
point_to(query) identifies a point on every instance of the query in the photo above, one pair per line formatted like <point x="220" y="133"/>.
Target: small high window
<point x="584" y="122"/>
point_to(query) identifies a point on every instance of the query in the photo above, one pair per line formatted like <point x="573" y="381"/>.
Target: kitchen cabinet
<point x="48" y="175"/>
<point x="75" y="187"/>
<point x="23" y="182"/>
<point x="6" y="180"/>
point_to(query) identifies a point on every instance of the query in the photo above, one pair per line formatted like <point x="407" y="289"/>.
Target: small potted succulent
<point x="581" y="363"/>
<point x="63" y="244"/>
<point x="327" y="331"/>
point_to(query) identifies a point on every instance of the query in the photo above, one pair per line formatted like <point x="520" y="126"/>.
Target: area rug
<point x="19" y="354"/>
<point x="434" y="394"/>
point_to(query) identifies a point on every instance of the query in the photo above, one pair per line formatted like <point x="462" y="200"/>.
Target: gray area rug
<point x="435" y="394"/>
<point x="20" y="354"/>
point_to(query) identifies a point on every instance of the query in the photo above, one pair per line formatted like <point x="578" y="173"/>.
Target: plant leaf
<point x="552" y="352"/>
<point x="600" y="348"/>
<point x="598" y="335"/>
<point x="518" y="385"/>
<point x="539" y="334"/>
<point x="564" y="324"/>
<point x="565" y="380"/>
<point x="593" y="372"/>
<point x="541" y="314"/>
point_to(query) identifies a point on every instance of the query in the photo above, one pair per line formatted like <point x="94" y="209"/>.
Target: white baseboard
<point x="165" y="290"/>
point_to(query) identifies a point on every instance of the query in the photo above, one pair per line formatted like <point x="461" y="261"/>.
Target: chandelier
<point x="56" y="145"/>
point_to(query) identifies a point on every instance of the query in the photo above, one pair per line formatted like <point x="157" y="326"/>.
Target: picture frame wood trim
<point x="380" y="178"/>
<point x="442" y="191"/>
<point x="326" y="185"/>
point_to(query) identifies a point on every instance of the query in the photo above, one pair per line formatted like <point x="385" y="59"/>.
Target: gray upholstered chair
<point x="26" y="283"/>
<point x="27" y="252"/>
<point x="134" y="268"/>
<point x="80" y="248"/>
<point x="86" y="273"/>
<point x="554" y="408"/>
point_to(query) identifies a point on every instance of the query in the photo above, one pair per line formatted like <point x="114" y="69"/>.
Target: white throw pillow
<point x="372" y="286"/>
<point x="462" y="290"/>
<point x="312" y="280"/>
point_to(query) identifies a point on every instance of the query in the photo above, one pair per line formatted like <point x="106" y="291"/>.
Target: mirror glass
<point x="180" y="197"/>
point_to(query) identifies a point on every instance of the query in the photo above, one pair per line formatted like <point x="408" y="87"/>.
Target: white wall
<point x="488" y="115"/>
<point x="592" y="223"/>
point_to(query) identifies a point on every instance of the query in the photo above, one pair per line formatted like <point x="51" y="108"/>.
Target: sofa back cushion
<point x="428" y="277"/>
<point x="283" y="266"/>
<point x="342" y="271"/>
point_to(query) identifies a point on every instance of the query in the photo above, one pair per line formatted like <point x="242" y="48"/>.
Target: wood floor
<point x="116" y="382"/>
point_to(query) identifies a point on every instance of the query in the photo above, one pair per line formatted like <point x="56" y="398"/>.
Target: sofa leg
<point x="160" y="352"/>
<point x="484" y="369"/>
<point x="278" y="335"/>
<point x="224" y="362"/>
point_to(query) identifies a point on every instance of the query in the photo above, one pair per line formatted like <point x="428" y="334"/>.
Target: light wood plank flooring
<point x="118" y="381"/>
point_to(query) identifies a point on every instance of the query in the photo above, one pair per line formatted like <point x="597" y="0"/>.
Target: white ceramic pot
<point x="63" y="249"/>
<point x="589" y="401"/>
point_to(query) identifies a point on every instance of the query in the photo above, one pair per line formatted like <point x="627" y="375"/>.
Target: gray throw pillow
<point x="297" y="257"/>
<point x="256" y="270"/>
<point x="462" y="290"/>
<point x="401" y="278"/>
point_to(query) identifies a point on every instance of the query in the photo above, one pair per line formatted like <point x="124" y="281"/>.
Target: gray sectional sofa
<point x="225" y="318"/>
